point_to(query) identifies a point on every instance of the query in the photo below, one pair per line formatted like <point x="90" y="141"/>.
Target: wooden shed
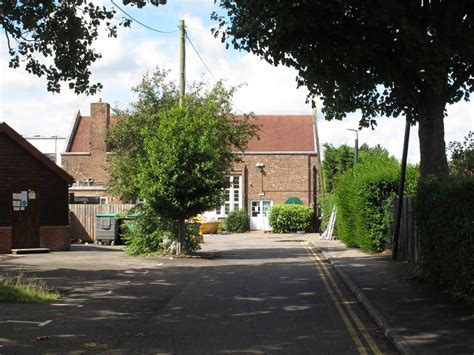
<point x="34" y="210"/>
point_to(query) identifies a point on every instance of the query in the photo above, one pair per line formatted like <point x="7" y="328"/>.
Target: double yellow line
<point x="352" y="322"/>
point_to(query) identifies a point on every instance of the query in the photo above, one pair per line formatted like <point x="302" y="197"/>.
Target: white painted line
<point x="45" y="323"/>
<point x="137" y="272"/>
<point x="39" y="324"/>
<point x="67" y="305"/>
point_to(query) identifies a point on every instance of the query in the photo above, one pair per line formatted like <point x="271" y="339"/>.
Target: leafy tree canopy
<point x="338" y="160"/>
<point x="462" y="156"/>
<point x="379" y="57"/>
<point x="55" y="38"/>
<point x="176" y="158"/>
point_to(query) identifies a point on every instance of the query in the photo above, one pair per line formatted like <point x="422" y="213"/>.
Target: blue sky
<point x="30" y="109"/>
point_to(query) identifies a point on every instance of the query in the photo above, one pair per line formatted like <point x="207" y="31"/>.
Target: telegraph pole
<point x="182" y="62"/>
<point x="401" y="188"/>
<point x="182" y="84"/>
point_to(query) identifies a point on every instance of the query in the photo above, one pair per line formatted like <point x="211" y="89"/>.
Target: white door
<point x="259" y="215"/>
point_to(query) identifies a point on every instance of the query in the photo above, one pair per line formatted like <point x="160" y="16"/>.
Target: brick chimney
<point x="100" y="119"/>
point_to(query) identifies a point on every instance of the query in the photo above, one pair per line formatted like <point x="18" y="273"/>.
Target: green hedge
<point x="290" y="218"/>
<point x="364" y="198"/>
<point x="327" y="203"/>
<point x="237" y="221"/>
<point x="445" y="225"/>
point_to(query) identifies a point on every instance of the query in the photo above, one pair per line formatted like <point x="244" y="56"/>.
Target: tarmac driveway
<point x="246" y="294"/>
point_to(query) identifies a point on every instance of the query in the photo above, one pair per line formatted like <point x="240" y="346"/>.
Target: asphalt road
<point x="247" y="294"/>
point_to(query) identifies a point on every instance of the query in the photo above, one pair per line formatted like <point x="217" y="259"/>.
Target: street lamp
<point x="356" y="158"/>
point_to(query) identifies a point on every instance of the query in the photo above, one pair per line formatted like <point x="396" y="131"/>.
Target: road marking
<point x="39" y="324"/>
<point x="137" y="272"/>
<point x="330" y="281"/>
<point x="67" y="305"/>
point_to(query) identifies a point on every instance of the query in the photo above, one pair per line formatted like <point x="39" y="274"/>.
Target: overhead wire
<point x="141" y="23"/>
<point x="207" y="68"/>
<point x="167" y="32"/>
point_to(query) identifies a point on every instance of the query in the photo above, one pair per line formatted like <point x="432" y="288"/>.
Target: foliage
<point x="462" y="156"/>
<point x="364" y="198"/>
<point x="444" y="217"/>
<point x="237" y="221"/>
<point x="290" y="218"/>
<point x="155" y="94"/>
<point x="327" y="203"/>
<point x="22" y="289"/>
<point x="336" y="161"/>
<point x="385" y="58"/>
<point x="56" y="38"/>
<point x="151" y="234"/>
<point x="175" y="158"/>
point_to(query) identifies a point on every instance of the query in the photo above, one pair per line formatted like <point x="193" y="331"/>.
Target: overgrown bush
<point x="290" y="218"/>
<point x="150" y="234"/>
<point x="237" y="221"/>
<point x="445" y="224"/>
<point x="364" y="199"/>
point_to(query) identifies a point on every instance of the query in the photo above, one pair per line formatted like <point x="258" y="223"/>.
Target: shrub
<point x="327" y="204"/>
<point x="150" y="234"/>
<point x="290" y="218"/>
<point x="445" y="224"/>
<point x="364" y="199"/>
<point x="237" y="221"/>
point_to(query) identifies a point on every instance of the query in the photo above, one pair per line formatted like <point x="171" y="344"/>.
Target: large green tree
<point x="176" y="158"/>
<point x="403" y="57"/>
<point x="54" y="38"/>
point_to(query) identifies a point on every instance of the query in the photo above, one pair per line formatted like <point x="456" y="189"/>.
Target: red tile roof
<point x="283" y="133"/>
<point x="278" y="133"/>
<point x="82" y="141"/>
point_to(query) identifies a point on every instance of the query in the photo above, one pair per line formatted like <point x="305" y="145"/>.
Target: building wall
<point x="283" y="176"/>
<point x="92" y="164"/>
<point x="20" y="171"/>
<point x="5" y="240"/>
<point x="55" y="238"/>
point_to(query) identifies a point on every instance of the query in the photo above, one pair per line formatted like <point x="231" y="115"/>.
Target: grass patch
<point x="21" y="289"/>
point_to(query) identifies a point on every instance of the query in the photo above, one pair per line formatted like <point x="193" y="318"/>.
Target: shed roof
<point x="32" y="150"/>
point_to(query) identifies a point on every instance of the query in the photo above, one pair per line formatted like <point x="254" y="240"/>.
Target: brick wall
<point x="92" y="164"/>
<point x="5" y="240"/>
<point x="55" y="238"/>
<point x="283" y="176"/>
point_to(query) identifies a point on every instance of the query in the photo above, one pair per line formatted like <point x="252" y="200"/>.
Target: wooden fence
<point x="82" y="218"/>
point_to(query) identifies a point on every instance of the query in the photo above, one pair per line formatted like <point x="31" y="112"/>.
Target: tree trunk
<point x="181" y="245"/>
<point x="431" y="134"/>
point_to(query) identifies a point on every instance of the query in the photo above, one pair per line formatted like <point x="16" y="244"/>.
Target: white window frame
<point x="103" y="200"/>
<point x="221" y="211"/>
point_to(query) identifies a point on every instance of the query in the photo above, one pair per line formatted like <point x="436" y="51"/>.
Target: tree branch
<point x="459" y="81"/>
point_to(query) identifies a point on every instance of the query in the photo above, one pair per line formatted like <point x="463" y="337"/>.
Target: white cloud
<point x="28" y="108"/>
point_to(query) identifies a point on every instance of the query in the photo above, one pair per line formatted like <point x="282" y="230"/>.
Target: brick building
<point x="86" y="153"/>
<point x="278" y="166"/>
<point x="34" y="209"/>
